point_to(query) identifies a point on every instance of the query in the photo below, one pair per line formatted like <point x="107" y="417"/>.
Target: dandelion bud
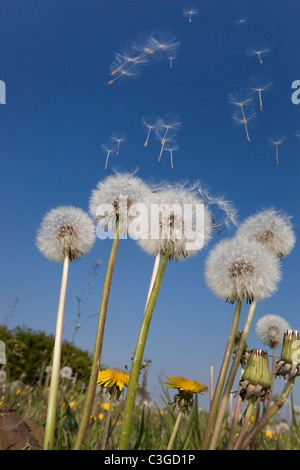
<point x="256" y="379"/>
<point x="289" y="362"/>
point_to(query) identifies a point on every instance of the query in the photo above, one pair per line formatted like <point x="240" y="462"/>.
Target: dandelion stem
<point x="272" y="376"/>
<point x="269" y="414"/>
<point x="231" y="377"/>
<point x="138" y="355"/>
<point x="234" y="422"/>
<point x="108" y="419"/>
<point x="246" y="422"/>
<point x="175" y="429"/>
<point x="52" y="400"/>
<point x="153" y="277"/>
<point x="98" y="344"/>
<point x="221" y="379"/>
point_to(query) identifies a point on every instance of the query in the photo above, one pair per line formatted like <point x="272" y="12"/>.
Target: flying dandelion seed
<point x="166" y="143"/>
<point x="171" y="147"/>
<point x="244" y="119"/>
<point x="118" y="138"/>
<point x="108" y="150"/>
<point x="258" y="51"/>
<point x="277" y="143"/>
<point x="260" y="85"/>
<point x="171" y="59"/>
<point x="241" y="20"/>
<point x="190" y="12"/>
<point x="149" y="126"/>
<point x="241" y="103"/>
<point x="164" y="127"/>
<point x="129" y="60"/>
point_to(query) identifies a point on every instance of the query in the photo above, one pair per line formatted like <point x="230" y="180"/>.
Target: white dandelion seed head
<point x="237" y="269"/>
<point x="176" y="219"/>
<point x="115" y="190"/>
<point x="66" y="372"/>
<point x="65" y="230"/>
<point x="271" y="228"/>
<point x="271" y="328"/>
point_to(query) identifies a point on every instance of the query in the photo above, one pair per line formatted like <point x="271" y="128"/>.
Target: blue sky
<point x="55" y="61"/>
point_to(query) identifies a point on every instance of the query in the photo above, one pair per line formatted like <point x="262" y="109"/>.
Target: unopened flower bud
<point x="256" y="379"/>
<point x="289" y="362"/>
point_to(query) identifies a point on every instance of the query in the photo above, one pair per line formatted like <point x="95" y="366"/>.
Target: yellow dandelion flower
<point x="186" y="390"/>
<point x="100" y="416"/>
<point x="72" y="404"/>
<point x="105" y="406"/>
<point x="269" y="433"/>
<point x="113" y="379"/>
<point x="185" y="385"/>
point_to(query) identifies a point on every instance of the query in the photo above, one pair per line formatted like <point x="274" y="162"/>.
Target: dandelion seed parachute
<point x="276" y="143"/>
<point x="258" y="51"/>
<point x="156" y="46"/>
<point x="237" y="270"/>
<point x="238" y="99"/>
<point x="65" y="229"/>
<point x="260" y="85"/>
<point x="272" y="228"/>
<point x="270" y="329"/>
<point x="189" y="12"/>
<point x="118" y="138"/>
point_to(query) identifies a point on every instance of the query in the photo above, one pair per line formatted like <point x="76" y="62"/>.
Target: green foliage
<point x="28" y="353"/>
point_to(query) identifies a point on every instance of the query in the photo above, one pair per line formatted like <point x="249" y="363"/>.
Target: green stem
<point x="269" y="414"/>
<point x="138" y="356"/>
<point x="175" y="429"/>
<point x="247" y="419"/>
<point x="221" y="379"/>
<point x="52" y="400"/>
<point x="98" y="345"/>
<point x="108" y="418"/>
<point x="231" y="377"/>
<point x="272" y="377"/>
<point x="234" y="422"/>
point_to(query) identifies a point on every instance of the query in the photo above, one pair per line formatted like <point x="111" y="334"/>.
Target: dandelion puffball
<point x="271" y="228"/>
<point x="112" y="193"/>
<point x="64" y="231"/>
<point x="238" y="270"/>
<point x="270" y="329"/>
<point x="176" y="220"/>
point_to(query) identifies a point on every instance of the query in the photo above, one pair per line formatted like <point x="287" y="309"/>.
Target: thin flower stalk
<point x="108" y="420"/>
<point x="138" y="355"/>
<point x="246" y="422"/>
<point x="98" y="344"/>
<point x="52" y="399"/>
<point x="222" y="377"/>
<point x="234" y="422"/>
<point x="231" y="377"/>
<point x="175" y="430"/>
<point x="269" y="414"/>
